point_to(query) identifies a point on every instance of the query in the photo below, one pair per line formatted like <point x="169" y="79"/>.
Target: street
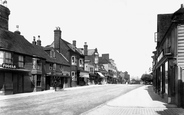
<point x="66" y="102"/>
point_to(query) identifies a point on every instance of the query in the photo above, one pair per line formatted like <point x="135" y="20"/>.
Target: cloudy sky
<point x="123" y="28"/>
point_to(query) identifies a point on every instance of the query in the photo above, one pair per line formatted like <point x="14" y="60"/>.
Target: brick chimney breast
<point x="4" y="17"/>
<point x="57" y="37"/>
<point x="85" y="49"/>
<point x="74" y="43"/>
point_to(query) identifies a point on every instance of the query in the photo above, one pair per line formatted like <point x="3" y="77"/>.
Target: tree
<point x="147" y="78"/>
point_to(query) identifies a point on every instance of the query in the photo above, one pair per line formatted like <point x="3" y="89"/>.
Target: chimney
<point x="74" y="43"/>
<point x="85" y="49"/>
<point x="181" y="5"/>
<point x="4" y="17"/>
<point x="17" y="31"/>
<point x="38" y="41"/>
<point x="57" y="37"/>
<point x="105" y="56"/>
<point x="34" y="41"/>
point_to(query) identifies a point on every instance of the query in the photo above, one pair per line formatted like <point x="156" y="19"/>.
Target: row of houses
<point x="168" y="59"/>
<point x="29" y="67"/>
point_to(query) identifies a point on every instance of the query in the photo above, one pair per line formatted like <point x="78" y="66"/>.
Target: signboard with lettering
<point x="11" y="66"/>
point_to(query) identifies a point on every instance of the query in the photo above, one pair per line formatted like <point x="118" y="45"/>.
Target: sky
<point x="123" y="28"/>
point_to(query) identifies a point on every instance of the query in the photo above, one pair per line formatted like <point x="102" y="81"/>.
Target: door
<point x="20" y="84"/>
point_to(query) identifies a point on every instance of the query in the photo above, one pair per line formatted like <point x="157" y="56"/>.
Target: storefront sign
<point x="11" y="66"/>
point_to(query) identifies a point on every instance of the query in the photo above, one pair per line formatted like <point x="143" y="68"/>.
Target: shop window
<point x="39" y="80"/>
<point x="1" y="57"/>
<point x="73" y="60"/>
<point x="21" y="62"/>
<point x="8" y="58"/>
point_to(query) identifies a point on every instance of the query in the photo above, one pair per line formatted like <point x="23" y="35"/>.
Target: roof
<point x="17" y="43"/>
<point x="60" y="59"/>
<point x="91" y="51"/>
<point x="163" y="23"/>
<point x="103" y="60"/>
<point x="73" y="48"/>
<point x="179" y="14"/>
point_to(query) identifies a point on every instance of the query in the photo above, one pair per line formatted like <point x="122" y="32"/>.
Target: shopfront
<point x="12" y="80"/>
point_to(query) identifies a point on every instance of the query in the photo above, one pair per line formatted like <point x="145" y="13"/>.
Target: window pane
<point x="1" y="55"/>
<point x="1" y="61"/>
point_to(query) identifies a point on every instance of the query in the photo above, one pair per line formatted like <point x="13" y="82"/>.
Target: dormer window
<point x="52" y="54"/>
<point x="81" y="63"/>
<point x="73" y="60"/>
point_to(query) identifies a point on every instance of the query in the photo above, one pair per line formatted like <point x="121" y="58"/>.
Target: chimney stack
<point x="85" y="49"/>
<point x="38" y="41"/>
<point x="74" y="43"/>
<point x="34" y="41"/>
<point x="57" y="37"/>
<point x="181" y="5"/>
<point x="4" y="17"/>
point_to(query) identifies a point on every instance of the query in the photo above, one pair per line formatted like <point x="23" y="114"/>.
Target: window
<point x="80" y="62"/>
<point x="73" y="75"/>
<point x="61" y="67"/>
<point x="52" y="54"/>
<point x="8" y="58"/>
<point x="73" y="60"/>
<point x="91" y="69"/>
<point x="54" y="66"/>
<point x="1" y="57"/>
<point x="38" y="80"/>
<point x="21" y="61"/>
<point x="50" y="66"/>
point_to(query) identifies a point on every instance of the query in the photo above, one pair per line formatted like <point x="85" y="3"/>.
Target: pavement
<point x="141" y="101"/>
<point x="3" y="97"/>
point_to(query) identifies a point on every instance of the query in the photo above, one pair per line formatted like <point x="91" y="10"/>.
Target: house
<point x="110" y="67"/>
<point x="74" y="56"/>
<point x="92" y="64"/>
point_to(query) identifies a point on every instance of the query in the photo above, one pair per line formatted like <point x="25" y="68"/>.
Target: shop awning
<point x="84" y="74"/>
<point x="100" y="74"/>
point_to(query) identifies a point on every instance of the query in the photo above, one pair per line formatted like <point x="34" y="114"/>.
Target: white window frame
<point x="73" y="75"/>
<point x="81" y="62"/>
<point x="73" y="60"/>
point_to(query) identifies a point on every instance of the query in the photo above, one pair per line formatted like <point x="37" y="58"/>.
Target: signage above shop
<point x="11" y="66"/>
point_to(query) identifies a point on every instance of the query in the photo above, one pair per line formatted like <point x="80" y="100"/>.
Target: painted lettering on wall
<point x="5" y="65"/>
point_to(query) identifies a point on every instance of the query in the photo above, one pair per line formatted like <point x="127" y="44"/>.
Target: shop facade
<point x="168" y="66"/>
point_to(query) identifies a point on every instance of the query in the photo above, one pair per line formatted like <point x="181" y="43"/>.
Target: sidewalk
<point x="141" y="101"/>
<point x="3" y="97"/>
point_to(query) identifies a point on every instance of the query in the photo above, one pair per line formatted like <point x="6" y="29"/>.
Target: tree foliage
<point x="147" y="78"/>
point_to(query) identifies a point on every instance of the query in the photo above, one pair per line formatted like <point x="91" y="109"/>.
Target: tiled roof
<point x="60" y="59"/>
<point x="163" y="23"/>
<point x="91" y="51"/>
<point x="17" y="43"/>
<point x="72" y="47"/>
<point x="103" y="60"/>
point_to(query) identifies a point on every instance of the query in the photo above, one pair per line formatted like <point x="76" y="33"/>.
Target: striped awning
<point x="100" y="74"/>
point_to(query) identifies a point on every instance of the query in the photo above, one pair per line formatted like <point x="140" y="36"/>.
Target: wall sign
<point x="11" y="66"/>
